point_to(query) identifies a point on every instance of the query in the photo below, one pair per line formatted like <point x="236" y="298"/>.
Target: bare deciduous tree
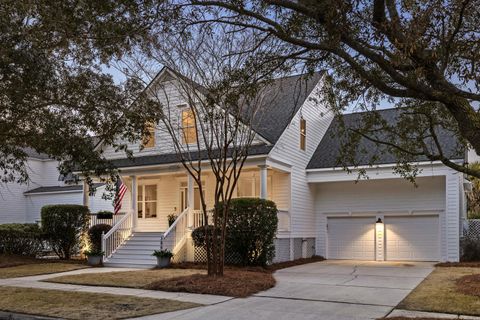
<point x="222" y="97"/>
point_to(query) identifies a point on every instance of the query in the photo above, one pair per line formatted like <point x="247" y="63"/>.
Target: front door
<point x="184" y="197"/>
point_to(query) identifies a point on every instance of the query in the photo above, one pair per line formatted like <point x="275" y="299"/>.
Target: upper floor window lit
<point x="303" y="133"/>
<point x="148" y="141"/>
<point x="189" y="129"/>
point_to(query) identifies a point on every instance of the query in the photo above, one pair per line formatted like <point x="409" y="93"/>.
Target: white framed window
<point x="147" y="201"/>
<point x="303" y="133"/>
<point x="249" y="187"/>
<point x="148" y="141"/>
<point x="188" y="126"/>
<point x="197" y="203"/>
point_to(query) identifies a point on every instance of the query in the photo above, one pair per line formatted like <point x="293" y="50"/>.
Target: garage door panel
<point x="412" y="238"/>
<point x="351" y="238"/>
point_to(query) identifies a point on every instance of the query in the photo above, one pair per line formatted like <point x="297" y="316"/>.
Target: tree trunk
<point x="468" y="120"/>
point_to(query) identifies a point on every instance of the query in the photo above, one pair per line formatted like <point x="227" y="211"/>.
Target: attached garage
<point x="412" y="238"/>
<point x="346" y="214"/>
<point x="351" y="238"/>
<point x="406" y="238"/>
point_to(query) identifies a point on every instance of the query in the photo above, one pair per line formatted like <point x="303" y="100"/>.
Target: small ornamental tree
<point x="63" y="226"/>
<point x="251" y="228"/>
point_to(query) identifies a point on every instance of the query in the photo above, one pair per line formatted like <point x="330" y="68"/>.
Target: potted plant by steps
<point x="163" y="257"/>
<point x="171" y="219"/>
<point x="94" y="257"/>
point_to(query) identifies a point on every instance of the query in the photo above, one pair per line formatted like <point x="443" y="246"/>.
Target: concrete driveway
<point x="333" y="289"/>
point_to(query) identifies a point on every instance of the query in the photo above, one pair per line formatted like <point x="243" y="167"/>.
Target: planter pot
<point x="94" y="260"/>
<point x="163" y="262"/>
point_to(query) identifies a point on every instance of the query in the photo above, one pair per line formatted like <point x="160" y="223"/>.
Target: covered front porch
<point x="154" y="196"/>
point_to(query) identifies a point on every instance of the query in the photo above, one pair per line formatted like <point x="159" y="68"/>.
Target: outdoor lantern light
<point x="379" y="237"/>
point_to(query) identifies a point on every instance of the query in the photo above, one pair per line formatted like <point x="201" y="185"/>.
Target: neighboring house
<point x="323" y="210"/>
<point x="21" y="203"/>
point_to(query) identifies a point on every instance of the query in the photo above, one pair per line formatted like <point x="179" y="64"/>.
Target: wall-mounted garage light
<point x="379" y="240"/>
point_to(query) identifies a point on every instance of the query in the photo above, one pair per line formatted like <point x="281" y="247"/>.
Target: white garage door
<point x="351" y="238"/>
<point x="412" y="238"/>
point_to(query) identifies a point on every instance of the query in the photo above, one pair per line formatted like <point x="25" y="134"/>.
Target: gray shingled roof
<point x="287" y="96"/>
<point x="174" y="158"/>
<point x="328" y="151"/>
<point x="73" y="188"/>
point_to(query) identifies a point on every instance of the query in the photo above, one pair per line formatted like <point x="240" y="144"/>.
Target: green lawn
<point x="439" y="293"/>
<point x="83" y="305"/>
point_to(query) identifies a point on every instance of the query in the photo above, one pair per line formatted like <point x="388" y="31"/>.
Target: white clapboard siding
<point x="370" y="196"/>
<point x="318" y="117"/>
<point x="35" y="202"/>
<point x="163" y="140"/>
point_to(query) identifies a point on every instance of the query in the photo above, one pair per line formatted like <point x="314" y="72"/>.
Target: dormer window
<point x="303" y="133"/>
<point x="189" y="130"/>
<point x="148" y="140"/>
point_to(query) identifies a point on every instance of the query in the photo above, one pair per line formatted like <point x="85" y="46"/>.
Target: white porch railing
<point x="94" y="220"/>
<point x="283" y="220"/>
<point x="198" y="218"/>
<point x="120" y="232"/>
<point x="180" y="228"/>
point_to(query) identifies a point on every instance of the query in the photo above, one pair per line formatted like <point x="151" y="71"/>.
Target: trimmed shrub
<point x="199" y="235"/>
<point x="63" y="226"/>
<point x="95" y="236"/>
<point x="470" y="248"/>
<point x="21" y="239"/>
<point x="251" y="228"/>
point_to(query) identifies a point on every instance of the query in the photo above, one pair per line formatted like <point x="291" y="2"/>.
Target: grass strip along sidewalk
<point x="83" y="305"/>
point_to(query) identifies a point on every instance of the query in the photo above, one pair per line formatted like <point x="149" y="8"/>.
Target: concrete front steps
<point x="137" y="251"/>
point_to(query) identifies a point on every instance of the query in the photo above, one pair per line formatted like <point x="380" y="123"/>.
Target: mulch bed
<point x="235" y="283"/>
<point x="7" y="261"/>
<point x="270" y="268"/>
<point x="469" y="285"/>
<point x="458" y="264"/>
<point x="287" y="264"/>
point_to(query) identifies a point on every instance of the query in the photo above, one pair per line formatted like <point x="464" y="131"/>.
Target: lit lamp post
<point x="379" y="240"/>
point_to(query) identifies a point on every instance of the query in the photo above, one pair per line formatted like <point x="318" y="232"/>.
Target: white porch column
<point x="190" y="200"/>
<point x="263" y="182"/>
<point x="86" y="194"/>
<point x="451" y="223"/>
<point x="133" y="200"/>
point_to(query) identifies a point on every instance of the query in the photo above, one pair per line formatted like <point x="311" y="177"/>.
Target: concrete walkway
<point x="36" y="282"/>
<point x="324" y="290"/>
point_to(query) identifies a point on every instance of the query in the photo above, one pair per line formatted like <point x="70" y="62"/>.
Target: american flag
<point x="120" y="192"/>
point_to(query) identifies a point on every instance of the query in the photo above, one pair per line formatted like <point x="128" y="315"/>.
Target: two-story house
<point x="323" y="209"/>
